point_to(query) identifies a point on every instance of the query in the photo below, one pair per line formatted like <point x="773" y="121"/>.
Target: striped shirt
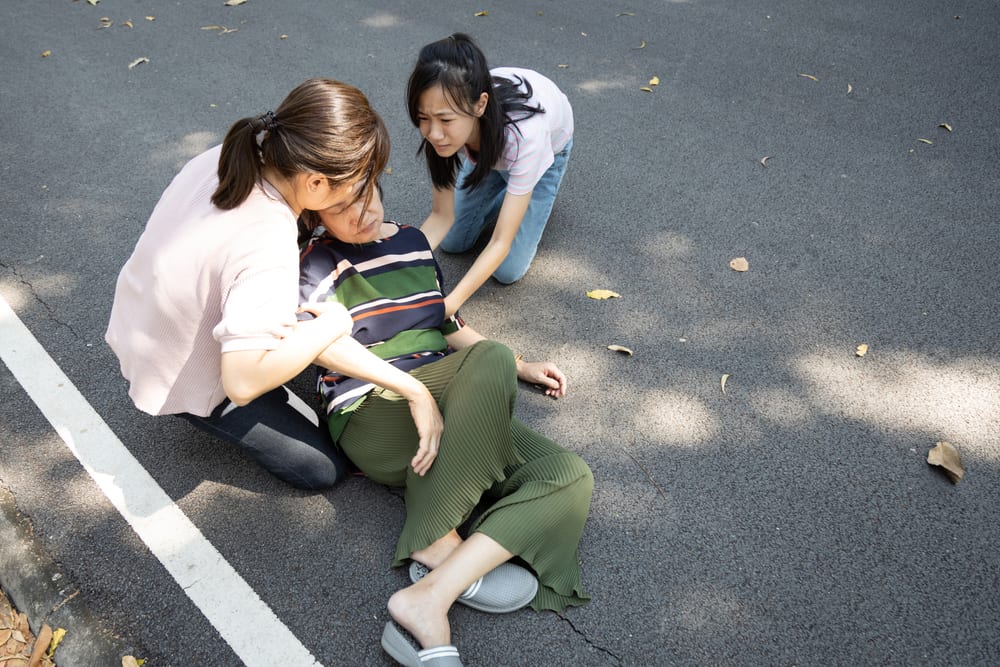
<point x="393" y="291"/>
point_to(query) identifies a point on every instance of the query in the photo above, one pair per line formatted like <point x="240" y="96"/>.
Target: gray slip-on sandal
<point x="504" y="589"/>
<point x="402" y="651"/>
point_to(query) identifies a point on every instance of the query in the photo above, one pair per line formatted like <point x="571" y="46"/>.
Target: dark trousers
<point x="281" y="433"/>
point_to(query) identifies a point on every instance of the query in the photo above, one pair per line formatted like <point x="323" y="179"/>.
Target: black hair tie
<point x="265" y="121"/>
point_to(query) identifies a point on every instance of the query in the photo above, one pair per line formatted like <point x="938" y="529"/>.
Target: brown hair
<point x="323" y="126"/>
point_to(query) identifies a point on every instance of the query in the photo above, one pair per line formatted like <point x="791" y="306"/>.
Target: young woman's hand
<point x="247" y="374"/>
<point x="543" y="373"/>
<point x="430" y="424"/>
<point x="333" y="313"/>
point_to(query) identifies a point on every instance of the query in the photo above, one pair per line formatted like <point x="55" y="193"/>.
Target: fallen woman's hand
<point x="430" y="424"/>
<point x="545" y="374"/>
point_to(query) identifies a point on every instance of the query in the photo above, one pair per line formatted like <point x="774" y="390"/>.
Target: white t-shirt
<point x="202" y="281"/>
<point x="531" y="147"/>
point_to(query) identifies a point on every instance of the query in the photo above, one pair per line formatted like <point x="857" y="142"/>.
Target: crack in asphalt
<point x="585" y="638"/>
<point x="659" y="489"/>
<point x="51" y="311"/>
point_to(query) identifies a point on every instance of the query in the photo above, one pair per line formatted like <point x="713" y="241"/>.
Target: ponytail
<point x="323" y="126"/>
<point x="240" y="161"/>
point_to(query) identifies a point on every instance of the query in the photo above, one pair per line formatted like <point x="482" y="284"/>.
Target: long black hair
<point x="459" y="66"/>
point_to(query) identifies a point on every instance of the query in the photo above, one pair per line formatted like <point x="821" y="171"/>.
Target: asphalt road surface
<point x="786" y="516"/>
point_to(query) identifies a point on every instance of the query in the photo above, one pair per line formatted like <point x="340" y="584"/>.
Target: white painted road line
<point x="245" y="622"/>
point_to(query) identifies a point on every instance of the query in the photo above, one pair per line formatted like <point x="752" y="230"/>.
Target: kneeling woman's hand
<point x="543" y="373"/>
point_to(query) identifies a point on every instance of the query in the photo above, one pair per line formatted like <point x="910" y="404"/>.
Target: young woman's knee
<point x="311" y="470"/>
<point x="509" y="273"/>
<point x="317" y="478"/>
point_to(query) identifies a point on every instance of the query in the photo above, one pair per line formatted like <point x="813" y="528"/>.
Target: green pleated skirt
<point x="537" y="493"/>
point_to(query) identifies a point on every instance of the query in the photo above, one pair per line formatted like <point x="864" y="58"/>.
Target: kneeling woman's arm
<point x="247" y="374"/>
<point x="543" y="373"/>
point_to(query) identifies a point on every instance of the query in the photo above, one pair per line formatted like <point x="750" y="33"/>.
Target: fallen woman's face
<point x="355" y="223"/>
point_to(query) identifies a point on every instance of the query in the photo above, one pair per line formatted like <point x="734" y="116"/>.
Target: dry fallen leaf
<point x="233" y="3"/>
<point x="849" y="88"/>
<point x="128" y="23"/>
<point x="646" y="89"/>
<point x="722" y="382"/>
<point x="603" y="294"/>
<point x="483" y="13"/>
<point x="739" y="264"/>
<point x="624" y="14"/>
<point x="809" y="76"/>
<point x="150" y="18"/>
<point x="619" y="348"/>
<point x="945" y="126"/>
<point x="388" y="170"/>
<point x="642" y="45"/>
<point x="562" y="66"/>
<point x="57" y="637"/>
<point x="655" y="81"/>
<point x="945" y="455"/>
<point x="105" y="23"/>
<point x="283" y="37"/>
<point x="763" y="160"/>
<point x="222" y="30"/>
<point x="46" y="53"/>
<point x="93" y="2"/>
<point x="138" y="61"/>
<point x="129" y="661"/>
<point x="861" y="350"/>
<point x="926" y="141"/>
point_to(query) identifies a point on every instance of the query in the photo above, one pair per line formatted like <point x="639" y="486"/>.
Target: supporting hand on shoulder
<point x="247" y="374"/>
<point x="334" y="314"/>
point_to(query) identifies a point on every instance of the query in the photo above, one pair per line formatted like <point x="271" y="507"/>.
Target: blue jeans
<point x="281" y="433"/>
<point x="474" y="208"/>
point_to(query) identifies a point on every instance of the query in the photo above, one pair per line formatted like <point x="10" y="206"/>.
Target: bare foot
<point x="417" y="609"/>
<point x="436" y="553"/>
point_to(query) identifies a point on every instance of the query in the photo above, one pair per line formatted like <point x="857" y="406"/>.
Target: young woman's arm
<point x="441" y="218"/>
<point x="247" y="374"/>
<point x="352" y="358"/>
<point x="511" y="214"/>
<point x="544" y="373"/>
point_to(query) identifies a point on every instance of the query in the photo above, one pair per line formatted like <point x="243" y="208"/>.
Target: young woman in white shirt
<point x="204" y="316"/>
<point x="497" y="143"/>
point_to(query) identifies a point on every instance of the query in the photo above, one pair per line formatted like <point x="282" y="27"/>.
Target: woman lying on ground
<point x="421" y="401"/>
